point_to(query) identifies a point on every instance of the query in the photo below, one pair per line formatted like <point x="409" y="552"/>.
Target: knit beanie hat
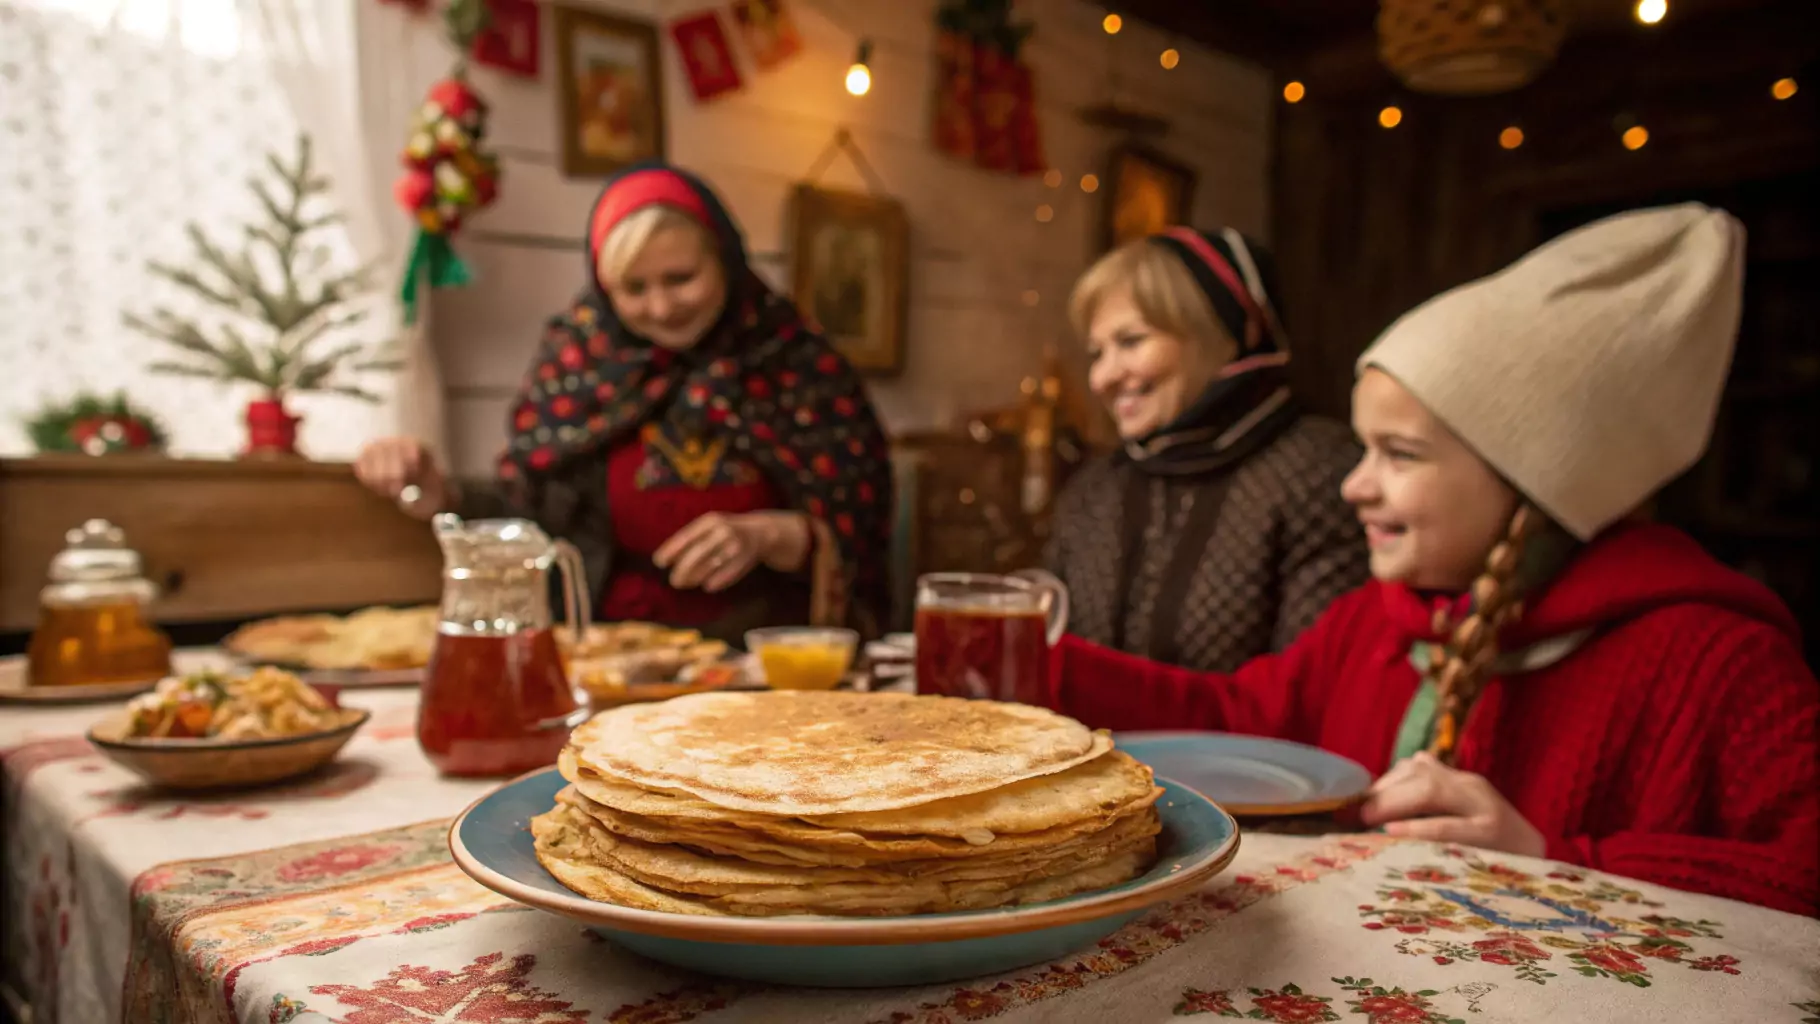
<point x="1588" y="373"/>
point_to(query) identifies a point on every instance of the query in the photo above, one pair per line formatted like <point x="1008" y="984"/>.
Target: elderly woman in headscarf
<point x="716" y="462"/>
<point x="1217" y="533"/>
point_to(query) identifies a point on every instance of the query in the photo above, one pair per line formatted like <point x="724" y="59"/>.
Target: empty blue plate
<point x="491" y="841"/>
<point x="1251" y="775"/>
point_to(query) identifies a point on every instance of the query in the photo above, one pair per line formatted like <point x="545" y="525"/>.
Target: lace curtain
<point x="120" y="122"/>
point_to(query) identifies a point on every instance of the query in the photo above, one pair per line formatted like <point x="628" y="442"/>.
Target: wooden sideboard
<point x="224" y="540"/>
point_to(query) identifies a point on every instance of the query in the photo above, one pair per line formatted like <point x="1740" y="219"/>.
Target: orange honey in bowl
<point x="803" y="658"/>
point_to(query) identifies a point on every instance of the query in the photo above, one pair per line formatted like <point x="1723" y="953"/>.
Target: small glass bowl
<point x="803" y="657"/>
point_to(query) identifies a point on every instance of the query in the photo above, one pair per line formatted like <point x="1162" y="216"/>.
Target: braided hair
<point x="1496" y="601"/>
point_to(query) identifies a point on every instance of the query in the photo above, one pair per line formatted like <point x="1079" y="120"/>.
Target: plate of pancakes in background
<point x="377" y="646"/>
<point x="615" y="662"/>
<point x="842" y="839"/>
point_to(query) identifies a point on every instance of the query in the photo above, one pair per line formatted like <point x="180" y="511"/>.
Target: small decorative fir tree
<point x="280" y="282"/>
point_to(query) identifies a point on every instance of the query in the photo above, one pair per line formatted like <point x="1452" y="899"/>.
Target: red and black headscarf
<point x="781" y="395"/>
<point x="1249" y="402"/>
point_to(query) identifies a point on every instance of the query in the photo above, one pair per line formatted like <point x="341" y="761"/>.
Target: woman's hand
<point x="716" y="551"/>
<point x="1421" y="798"/>
<point x="389" y="465"/>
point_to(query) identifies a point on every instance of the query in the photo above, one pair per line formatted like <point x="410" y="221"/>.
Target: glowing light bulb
<point x="859" y="73"/>
<point x="1511" y="138"/>
<point x="1112" y="24"/>
<point x="1170" y="58"/>
<point x="1390" y="117"/>
<point x="1635" y="137"/>
<point x="1651" y="12"/>
<point x="859" y="80"/>
<point x="1785" y="88"/>
<point x="1294" y="91"/>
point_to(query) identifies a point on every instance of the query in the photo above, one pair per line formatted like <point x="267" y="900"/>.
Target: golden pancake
<point x="902" y="854"/>
<point x="1080" y="798"/>
<point x="828" y="803"/>
<point x="795" y="753"/>
<point x="681" y="869"/>
<point x="566" y="845"/>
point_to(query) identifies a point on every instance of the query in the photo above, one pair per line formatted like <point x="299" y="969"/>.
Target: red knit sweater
<point x="1678" y="745"/>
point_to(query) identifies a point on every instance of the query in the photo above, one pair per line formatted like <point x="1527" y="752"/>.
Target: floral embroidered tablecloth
<point x="334" y="899"/>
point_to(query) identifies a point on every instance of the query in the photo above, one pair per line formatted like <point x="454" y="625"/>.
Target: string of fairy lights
<point x="1632" y="135"/>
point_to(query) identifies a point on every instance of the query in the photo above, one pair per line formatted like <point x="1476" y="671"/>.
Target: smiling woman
<point x="718" y="465"/>
<point x="1218" y="533"/>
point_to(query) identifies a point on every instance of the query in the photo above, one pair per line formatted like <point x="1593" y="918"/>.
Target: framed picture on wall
<point x="610" y="92"/>
<point x="851" y="273"/>
<point x="1145" y="193"/>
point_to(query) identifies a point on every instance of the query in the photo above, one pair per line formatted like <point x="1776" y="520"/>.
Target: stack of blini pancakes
<point x="835" y="803"/>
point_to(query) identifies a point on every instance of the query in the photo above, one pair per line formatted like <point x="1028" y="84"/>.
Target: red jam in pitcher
<point x="497" y="699"/>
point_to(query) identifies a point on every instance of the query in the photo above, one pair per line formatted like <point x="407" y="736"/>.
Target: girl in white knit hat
<point x="1532" y="669"/>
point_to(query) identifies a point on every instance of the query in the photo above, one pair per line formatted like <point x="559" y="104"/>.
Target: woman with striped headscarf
<point x="1217" y="532"/>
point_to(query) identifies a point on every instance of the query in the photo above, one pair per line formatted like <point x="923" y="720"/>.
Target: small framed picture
<point x="851" y="257"/>
<point x="610" y="89"/>
<point x="1145" y="193"/>
<point x="769" y="30"/>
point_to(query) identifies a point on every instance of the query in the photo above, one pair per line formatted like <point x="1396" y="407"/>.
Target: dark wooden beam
<point x="1775" y="33"/>
<point x="1246" y="30"/>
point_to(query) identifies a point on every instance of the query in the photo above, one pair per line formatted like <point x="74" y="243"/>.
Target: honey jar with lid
<point x="92" y="621"/>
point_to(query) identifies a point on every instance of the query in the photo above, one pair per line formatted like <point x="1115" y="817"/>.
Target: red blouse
<point x="655" y="489"/>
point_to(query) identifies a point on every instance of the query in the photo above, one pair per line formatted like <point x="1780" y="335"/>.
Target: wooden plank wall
<point x="976" y="244"/>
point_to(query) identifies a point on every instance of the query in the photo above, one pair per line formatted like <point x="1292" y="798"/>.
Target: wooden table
<point x="334" y="899"/>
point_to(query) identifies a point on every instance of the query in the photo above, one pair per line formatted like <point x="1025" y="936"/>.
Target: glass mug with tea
<point x="988" y="637"/>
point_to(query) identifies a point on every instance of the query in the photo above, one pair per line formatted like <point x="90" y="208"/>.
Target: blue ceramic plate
<point x="1251" y="775"/>
<point x="491" y="841"/>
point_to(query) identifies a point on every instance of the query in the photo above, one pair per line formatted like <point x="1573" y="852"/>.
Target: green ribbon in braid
<point x="1543" y="557"/>
<point x="1418" y="728"/>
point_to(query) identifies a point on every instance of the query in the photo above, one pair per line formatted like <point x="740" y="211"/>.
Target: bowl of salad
<point x="212" y="730"/>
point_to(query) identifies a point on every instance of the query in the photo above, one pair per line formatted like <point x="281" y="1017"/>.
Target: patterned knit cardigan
<point x="1209" y="571"/>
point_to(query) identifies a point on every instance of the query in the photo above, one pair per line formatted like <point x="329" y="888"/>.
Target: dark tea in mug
<point x="982" y="652"/>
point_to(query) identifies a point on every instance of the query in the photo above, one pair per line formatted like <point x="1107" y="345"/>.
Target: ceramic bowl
<point x="491" y="841"/>
<point x="222" y="764"/>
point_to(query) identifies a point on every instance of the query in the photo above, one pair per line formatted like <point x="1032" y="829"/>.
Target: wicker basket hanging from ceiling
<point x="1468" y="47"/>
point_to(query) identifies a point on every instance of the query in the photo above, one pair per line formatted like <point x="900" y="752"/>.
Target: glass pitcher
<point x="92" y="623"/>
<point x="497" y="698"/>
<point x="988" y="637"/>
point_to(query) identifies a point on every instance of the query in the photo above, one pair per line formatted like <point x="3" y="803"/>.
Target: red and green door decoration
<point x="985" y="97"/>
<point x="448" y="172"/>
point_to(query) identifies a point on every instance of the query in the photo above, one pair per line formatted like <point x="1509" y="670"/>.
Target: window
<point x="120" y="122"/>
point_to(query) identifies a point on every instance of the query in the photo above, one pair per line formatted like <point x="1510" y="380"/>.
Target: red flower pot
<point x="270" y="430"/>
